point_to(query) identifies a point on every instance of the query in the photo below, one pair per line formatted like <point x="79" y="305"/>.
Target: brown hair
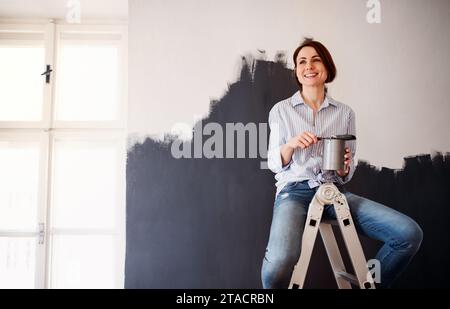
<point x="324" y="55"/>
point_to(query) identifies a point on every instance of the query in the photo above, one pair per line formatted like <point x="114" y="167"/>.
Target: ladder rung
<point x="347" y="277"/>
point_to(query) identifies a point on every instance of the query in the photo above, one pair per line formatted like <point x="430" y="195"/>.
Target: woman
<point x="295" y="156"/>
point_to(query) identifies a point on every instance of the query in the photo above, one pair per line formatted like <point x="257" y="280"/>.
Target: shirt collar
<point x="298" y="99"/>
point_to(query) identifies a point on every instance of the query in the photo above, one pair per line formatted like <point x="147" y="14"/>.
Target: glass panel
<point x="85" y="185"/>
<point x="19" y="166"/>
<point x="83" y="262"/>
<point x="21" y="95"/>
<point x="87" y="83"/>
<point x="17" y="262"/>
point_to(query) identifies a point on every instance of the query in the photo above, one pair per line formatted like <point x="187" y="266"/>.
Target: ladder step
<point x="347" y="277"/>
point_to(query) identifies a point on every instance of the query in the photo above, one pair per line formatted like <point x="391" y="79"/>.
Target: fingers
<point x="347" y="157"/>
<point x="346" y="169"/>
<point x="307" y="139"/>
<point x="296" y="142"/>
<point x="311" y="136"/>
<point x="347" y="160"/>
<point x="301" y="143"/>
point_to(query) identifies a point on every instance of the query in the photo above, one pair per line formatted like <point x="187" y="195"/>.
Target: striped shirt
<point x="293" y="116"/>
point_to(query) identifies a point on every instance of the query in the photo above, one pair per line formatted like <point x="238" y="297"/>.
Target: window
<point x="23" y="52"/>
<point x="18" y="63"/>
<point x="22" y="163"/>
<point x="62" y="155"/>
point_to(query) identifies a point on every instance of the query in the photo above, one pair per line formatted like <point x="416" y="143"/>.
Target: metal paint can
<point x="333" y="154"/>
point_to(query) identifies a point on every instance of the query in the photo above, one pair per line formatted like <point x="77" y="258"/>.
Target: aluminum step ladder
<point x="328" y="194"/>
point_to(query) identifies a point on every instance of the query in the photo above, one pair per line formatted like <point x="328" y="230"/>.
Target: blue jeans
<point x="400" y="234"/>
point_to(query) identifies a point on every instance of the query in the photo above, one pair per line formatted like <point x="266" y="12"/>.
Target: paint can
<point x="333" y="151"/>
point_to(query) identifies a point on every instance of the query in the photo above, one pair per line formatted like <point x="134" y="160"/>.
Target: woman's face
<point x="310" y="69"/>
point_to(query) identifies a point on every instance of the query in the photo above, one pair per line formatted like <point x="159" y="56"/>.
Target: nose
<point x="309" y="65"/>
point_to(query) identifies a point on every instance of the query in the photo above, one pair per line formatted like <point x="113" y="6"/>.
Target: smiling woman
<point x="314" y="65"/>
<point x="296" y="157"/>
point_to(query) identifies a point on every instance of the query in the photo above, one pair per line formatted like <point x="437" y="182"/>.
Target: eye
<point x="302" y="62"/>
<point x="317" y="60"/>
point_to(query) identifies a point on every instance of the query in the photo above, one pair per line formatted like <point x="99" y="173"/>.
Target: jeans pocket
<point x="285" y="191"/>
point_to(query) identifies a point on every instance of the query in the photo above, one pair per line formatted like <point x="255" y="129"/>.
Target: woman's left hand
<point x="347" y="158"/>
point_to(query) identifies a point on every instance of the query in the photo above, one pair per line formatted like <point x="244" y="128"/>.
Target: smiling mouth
<point x="310" y="75"/>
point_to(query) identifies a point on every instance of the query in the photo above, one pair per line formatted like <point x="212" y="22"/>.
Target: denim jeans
<point x="400" y="234"/>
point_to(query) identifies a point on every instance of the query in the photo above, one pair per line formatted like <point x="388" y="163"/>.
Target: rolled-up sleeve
<point x="277" y="138"/>
<point x="351" y="129"/>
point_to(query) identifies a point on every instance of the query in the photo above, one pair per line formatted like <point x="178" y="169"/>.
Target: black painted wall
<point x="204" y="223"/>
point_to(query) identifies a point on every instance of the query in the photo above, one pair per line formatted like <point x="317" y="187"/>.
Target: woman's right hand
<point x="302" y="140"/>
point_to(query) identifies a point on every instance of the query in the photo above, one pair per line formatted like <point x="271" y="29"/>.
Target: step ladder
<point x="328" y="194"/>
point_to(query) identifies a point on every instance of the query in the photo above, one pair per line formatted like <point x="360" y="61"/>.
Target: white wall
<point x="394" y="75"/>
<point x="57" y="9"/>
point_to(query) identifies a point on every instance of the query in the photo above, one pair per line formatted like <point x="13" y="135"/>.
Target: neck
<point x="313" y="96"/>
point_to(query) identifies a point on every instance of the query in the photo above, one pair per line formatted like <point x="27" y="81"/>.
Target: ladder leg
<point x="326" y="231"/>
<point x="352" y="242"/>
<point x="308" y="239"/>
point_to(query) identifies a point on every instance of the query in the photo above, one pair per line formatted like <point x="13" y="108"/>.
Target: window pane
<point x="85" y="185"/>
<point x="21" y="95"/>
<point x="87" y="83"/>
<point x="17" y="262"/>
<point x="83" y="262"/>
<point x="19" y="174"/>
